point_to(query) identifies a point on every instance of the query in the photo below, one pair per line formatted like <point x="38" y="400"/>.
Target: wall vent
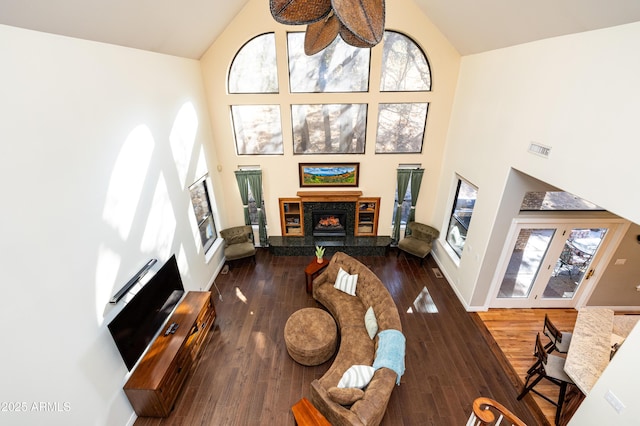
<point x="538" y="149"/>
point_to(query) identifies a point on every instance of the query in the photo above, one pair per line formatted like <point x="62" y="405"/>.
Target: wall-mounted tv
<point x="136" y="325"/>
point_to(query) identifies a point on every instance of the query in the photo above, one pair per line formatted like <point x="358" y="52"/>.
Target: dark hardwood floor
<point x="246" y="377"/>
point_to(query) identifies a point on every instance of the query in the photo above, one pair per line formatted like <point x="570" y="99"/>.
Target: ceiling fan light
<point x="352" y="39"/>
<point x="364" y="18"/>
<point x="321" y="34"/>
<point x="299" y="12"/>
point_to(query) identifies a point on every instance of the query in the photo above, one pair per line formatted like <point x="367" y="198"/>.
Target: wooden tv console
<point x="155" y="383"/>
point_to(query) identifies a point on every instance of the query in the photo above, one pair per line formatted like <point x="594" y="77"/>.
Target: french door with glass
<point x="549" y="264"/>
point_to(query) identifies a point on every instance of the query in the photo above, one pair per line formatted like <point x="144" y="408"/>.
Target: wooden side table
<point x="313" y="269"/>
<point x="306" y="414"/>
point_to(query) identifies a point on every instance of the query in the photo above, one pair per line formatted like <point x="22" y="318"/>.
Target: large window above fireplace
<point x="395" y="85"/>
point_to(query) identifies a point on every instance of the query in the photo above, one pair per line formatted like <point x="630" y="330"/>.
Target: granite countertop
<point x="623" y="324"/>
<point x="590" y="347"/>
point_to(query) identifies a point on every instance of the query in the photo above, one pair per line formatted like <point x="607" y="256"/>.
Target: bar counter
<point x="596" y="330"/>
<point x="590" y="347"/>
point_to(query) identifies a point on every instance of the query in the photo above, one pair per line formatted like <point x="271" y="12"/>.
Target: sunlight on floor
<point x="240" y="295"/>
<point x="423" y="304"/>
<point x="260" y="341"/>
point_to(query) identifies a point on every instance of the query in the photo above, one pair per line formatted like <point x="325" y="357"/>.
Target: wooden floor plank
<point x="245" y="375"/>
<point x="514" y="332"/>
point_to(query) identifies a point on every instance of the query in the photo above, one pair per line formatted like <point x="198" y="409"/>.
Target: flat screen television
<point x="136" y="325"/>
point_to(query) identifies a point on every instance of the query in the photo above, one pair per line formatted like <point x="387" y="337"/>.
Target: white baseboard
<point x="466" y="306"/>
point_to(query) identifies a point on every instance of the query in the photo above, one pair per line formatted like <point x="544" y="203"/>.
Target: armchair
<point x="238" y="243"/>
<point x="419" y="242"/>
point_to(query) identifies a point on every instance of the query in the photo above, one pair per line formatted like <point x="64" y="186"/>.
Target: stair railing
<point x="485" y="411"/>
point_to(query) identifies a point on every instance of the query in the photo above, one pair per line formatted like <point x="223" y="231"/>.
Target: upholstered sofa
<point x="356" y="345"/>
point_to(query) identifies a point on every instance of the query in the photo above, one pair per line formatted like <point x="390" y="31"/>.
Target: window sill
<point x="209" y="254"/>
<point x="450" y="252"/>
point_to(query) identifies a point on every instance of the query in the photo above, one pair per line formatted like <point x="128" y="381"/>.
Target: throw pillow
<point x="357" y="376"/>
<point x="236" y="239"/>
<point x="346" y="282"/>
<point x="345" y="396"/>
<point x="371" y="323"/>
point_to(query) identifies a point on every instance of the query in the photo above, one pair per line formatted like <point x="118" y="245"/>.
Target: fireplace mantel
<point x="329" y="196"/>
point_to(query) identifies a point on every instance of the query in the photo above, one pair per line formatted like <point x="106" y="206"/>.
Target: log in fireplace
<point x="329" y="223"/>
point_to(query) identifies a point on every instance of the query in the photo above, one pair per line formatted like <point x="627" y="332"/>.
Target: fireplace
<point x="313" y="209"/>
<point x="329" y="223"/>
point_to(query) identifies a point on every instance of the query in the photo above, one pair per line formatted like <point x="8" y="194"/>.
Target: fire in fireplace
<point x="329" y="223"/>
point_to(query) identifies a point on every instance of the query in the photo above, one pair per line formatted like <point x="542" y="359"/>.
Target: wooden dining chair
<point x="558" y="340"/>
<point x="550" y="367"/>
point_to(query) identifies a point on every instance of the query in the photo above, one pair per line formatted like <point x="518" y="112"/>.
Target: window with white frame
<point x="323" y="126"/>
<point x="201" y="203"/>
<point x="253" y="207"/>
<point x="461" y="213"/>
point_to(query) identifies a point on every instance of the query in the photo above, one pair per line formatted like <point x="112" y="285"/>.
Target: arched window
<point x="404" y="65"/>
<point x="405" y="68"/>
<point x="254" y="69"/>
<point x="337" y="68"/>
<point x="323" y="126"/>
<point x="257" y="128"/>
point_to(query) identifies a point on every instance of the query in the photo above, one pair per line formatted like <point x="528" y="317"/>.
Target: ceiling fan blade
<point x="351" y="39"/>
<point x="321" y="34"/>
<point x="299" y="12"/>
<point x="364" y="18"/>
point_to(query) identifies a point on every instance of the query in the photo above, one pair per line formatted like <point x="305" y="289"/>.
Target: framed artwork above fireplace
<point x="329" y="174"/>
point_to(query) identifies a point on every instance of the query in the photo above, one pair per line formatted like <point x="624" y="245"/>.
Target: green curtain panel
<point x="416" y="181"/>
<point x="255" y="180"/>
<point x="403" y="182"/>
<point x="243" y="186"/>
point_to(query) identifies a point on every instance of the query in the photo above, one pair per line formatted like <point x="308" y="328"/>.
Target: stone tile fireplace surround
<point x="311" y="207"/>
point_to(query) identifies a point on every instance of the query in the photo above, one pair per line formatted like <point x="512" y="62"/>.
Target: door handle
<point x="589" y="274"/>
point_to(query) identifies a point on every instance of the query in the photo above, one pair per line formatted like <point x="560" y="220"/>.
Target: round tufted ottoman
<point x="310" y="335"/>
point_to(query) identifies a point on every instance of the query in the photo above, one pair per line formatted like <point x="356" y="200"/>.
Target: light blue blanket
<point x="390" y="353"/>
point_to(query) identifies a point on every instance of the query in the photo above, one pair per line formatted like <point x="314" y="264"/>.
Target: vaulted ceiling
<point x="188" y="27"/>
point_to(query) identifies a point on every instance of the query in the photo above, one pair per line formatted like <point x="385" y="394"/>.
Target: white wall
<point x="578" y="94"/>
<point x="98" y="145"/>
<point x="621" y="378"/>
<point x="618" y="283"/>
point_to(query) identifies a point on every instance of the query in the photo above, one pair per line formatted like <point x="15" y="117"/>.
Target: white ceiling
<point x="188" y="27"/>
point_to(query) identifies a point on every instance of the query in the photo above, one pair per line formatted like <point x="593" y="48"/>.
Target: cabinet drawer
<point x="205" y="321"/>
<point x="174" y="378"/>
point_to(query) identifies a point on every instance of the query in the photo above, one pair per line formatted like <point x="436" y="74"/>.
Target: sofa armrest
<point x="328" y="276"/>
<point x="334" y="412"/>
<point x="367" y="411"/>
